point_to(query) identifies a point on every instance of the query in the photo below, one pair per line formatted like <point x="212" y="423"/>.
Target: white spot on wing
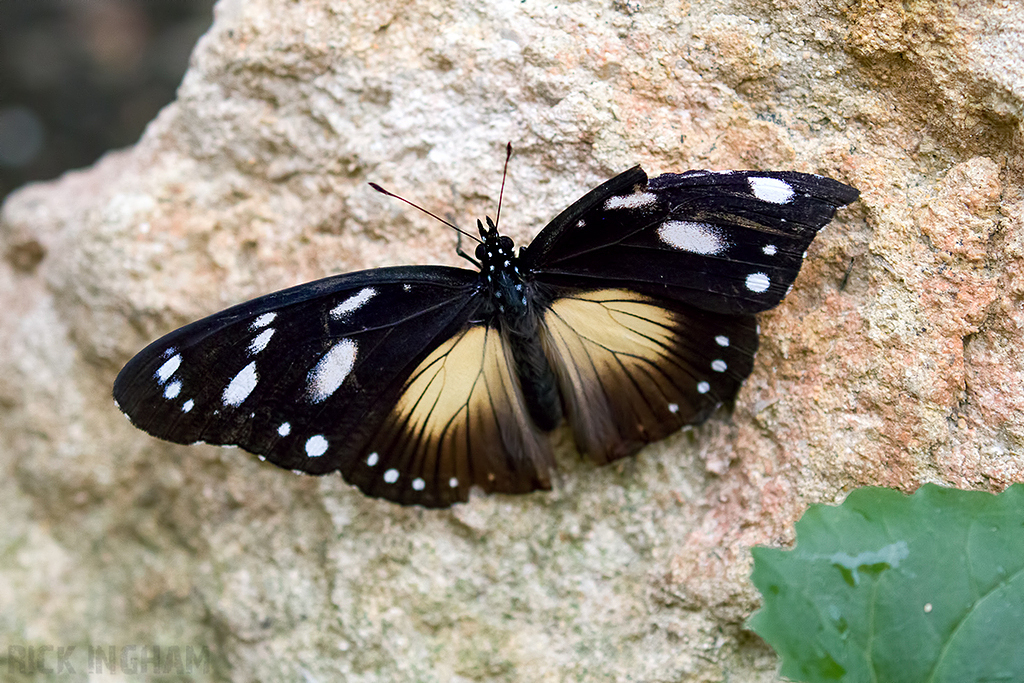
<point x="696" y="238"/>
<point x="453" y="482"/>
<point x="353" y="303"/>
<point x="241" y="385"/>
<point x="172" y="390"/>
<point x="630" y="201"/>
<point x="331" y="370"/>
<point x="418" y="484"/>
<point x="372" y="459"/>
<point x="758" y="282"/>
<point x="769" y="250"/>
<point x="260" y="341"/>
<point x="170" y="366"/>
<point x="770" y="189"/>
<point x="391" y="476"/>
<point x="187" y="405"/>
<point x="285" y="429"/>
<point x="718" y="365"/>
<point x="673" y="408"/>
<point x="703" y="387"/>
<point x="263" y="321"/>
<point x="722" y="340"/>
<point x="316" y="446"/>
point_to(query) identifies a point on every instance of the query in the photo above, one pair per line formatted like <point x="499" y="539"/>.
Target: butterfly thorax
<point x="499" y="268"/>
<point x="516" y="317"/>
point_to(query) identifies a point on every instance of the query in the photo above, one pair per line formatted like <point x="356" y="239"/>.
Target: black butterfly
<point x="630" y="315"/>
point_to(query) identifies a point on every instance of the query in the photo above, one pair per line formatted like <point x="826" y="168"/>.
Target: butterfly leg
<point x="458" y="250"/>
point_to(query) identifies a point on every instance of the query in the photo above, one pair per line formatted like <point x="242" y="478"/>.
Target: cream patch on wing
<point x="452" y="380"/>
<point x="461" y="419"/>
<point x="619" y="371"/>
<point x="619" y="325"/>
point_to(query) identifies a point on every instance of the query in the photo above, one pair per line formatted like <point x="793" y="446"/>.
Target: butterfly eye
<point x="506" y="244"/>
<point x="481" y="252"/>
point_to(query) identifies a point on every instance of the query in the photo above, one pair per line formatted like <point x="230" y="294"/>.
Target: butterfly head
<point x="499" y="268"/>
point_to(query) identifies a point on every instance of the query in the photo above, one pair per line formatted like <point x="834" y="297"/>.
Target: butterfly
<point x="630" y="315"/>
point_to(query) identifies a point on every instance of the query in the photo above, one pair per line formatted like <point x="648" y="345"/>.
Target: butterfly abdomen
<point x="536" y="378"/>
<point x="514" y="309"/>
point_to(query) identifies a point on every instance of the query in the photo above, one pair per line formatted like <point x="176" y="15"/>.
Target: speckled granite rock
<point x="894" y="361"/>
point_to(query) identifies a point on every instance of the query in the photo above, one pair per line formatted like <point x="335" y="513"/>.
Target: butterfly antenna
<point x="504" y="174"/>
<point x="432" y="215"/>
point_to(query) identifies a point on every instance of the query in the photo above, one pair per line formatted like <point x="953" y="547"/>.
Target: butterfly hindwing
<point x="727" y="242"/>
<point x="459" y="422"/>
<point x="633" y="369"/>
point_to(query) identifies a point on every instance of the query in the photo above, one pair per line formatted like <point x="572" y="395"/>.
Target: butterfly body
<point x="628" y="316"/>
<point x="514" y="304"/>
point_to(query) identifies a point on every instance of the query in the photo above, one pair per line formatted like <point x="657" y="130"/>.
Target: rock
<point x="894" y="361"/>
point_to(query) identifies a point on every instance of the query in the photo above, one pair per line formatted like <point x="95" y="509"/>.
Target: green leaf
<point x="894" y="588"/>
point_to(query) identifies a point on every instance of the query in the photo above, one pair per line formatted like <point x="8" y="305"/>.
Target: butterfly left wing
<point x="389" y="376"/>
<point x="727" y="242"/>
<point x="652" y="288"/>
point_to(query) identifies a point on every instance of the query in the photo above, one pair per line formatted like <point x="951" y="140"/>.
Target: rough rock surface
<point x="896" y="359"/>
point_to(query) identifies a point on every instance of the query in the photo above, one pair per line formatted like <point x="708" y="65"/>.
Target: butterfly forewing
<point x="728" y="242"/>
<point x="303" y="376"/>
<point x="633" y="369"/>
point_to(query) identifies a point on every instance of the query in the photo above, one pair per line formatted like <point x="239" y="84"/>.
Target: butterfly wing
<point x="652" y="288"/>
<point x="726" y="242"/>
<point x="330" y="376"/>
<point x="633" y="369"/>
<point x="459" y="422"/>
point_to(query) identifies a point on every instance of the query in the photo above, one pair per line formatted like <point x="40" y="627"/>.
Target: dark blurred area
<point x="81" y="77"/>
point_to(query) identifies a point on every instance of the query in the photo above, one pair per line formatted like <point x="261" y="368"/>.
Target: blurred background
<point x="81" y="77"/>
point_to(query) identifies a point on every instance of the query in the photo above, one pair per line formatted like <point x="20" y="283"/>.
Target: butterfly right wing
<point x="330" y="376"/>
<point x="633" y="369"/>
<point x="727" y="242"/>
<point x="652" y="287"/>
